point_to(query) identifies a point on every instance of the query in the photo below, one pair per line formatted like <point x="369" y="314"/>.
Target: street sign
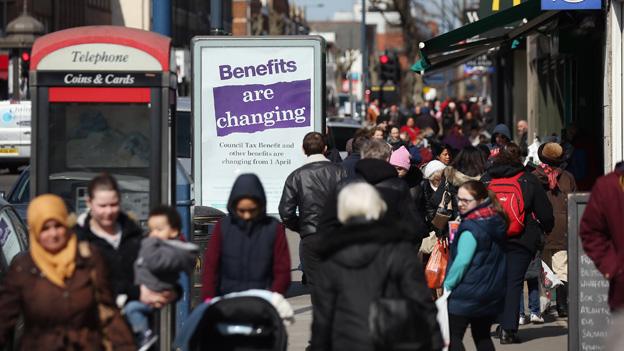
<point x="571" y="4"/>
<point x="589" y="315"/>
<point x="254" y="99"/>
<point x="481" y="61"/>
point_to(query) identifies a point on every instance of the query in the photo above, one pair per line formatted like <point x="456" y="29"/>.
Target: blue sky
<point x="315" y="13"/>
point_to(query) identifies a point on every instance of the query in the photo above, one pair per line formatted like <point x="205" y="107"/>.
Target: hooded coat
<point x="539" y="218"/>
<point x="501" y="129"/>
<point x="394" y="191"/>
<point x="245" y="255"/>
<point x="352" y="276"/>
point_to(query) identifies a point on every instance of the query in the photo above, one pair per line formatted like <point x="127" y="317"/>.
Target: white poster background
<point x="286" y="143"/>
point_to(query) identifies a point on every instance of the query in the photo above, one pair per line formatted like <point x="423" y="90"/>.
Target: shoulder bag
<point x="394" y="322"/>
<point x="444" y="211"/>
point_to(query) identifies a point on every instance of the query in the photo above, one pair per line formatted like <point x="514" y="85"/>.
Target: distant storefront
<point x="547" y="69"/>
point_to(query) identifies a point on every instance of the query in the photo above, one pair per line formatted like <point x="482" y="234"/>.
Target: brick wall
<point x="240" y="17"/>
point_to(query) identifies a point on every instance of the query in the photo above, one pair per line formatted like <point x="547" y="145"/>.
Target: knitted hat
<point x="432" y="167"/>
<point x="400" y="158"/>
<point x="551" y="154"/>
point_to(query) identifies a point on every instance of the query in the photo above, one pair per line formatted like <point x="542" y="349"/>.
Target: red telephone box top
<point x="153" y="44"/>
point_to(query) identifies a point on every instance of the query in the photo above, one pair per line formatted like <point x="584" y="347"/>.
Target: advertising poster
<point x="256" y="100"/>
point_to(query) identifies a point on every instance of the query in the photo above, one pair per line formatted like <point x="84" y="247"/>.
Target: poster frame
<point x="317" y="43"/>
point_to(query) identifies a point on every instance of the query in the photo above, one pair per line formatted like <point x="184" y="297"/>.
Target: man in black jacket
<point x="307" y="189"/>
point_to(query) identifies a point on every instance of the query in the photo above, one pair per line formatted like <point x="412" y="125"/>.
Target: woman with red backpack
<point x="477" y="255"/>
<point x="530" y="216"/>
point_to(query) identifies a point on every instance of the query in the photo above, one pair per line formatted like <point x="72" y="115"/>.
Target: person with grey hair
<point x="377" y="149"/>
<point x="374" y="168"/>
<point x="362" y="259"/>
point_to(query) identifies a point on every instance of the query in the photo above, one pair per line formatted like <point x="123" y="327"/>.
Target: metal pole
<point x="16" y="76"/>
<point x="364" y="78"/>
<point x="161" y="10"/>
<point x="4" y="16"/>
<point x="216" y="17"/>
<point x="351" y="96"/>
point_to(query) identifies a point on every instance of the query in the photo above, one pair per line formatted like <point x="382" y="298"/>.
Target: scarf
<point x="55" y="266"/>
<point x="552" y="173"/>
<point x="482" y="213"/>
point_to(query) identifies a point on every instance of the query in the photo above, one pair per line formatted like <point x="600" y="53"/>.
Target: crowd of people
<point x="406" y="176"/>
<point x="367" y="225"/>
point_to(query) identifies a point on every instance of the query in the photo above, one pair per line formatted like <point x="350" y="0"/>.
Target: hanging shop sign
<point x="571" y="4"/>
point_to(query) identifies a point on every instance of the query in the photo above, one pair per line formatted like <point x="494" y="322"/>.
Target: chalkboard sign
<point x="589" y="315"/>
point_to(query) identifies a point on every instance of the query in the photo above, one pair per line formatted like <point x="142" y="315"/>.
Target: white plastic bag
<point x="443" y="318"/>
<point x="550" y="279"/>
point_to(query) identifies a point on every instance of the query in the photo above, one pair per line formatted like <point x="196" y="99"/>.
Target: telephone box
<point x="102" y="101"/>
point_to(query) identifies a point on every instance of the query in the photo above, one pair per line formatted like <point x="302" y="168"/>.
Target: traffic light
<point x="24" y="59"/>
<point x="389" y="69"/>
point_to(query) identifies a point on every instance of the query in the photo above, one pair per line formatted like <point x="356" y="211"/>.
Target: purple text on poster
<point x="256" y="107"/>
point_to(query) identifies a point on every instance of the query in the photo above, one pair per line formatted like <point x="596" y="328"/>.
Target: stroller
<point x="243" y="321"/>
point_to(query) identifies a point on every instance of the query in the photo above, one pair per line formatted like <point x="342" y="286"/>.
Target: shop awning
<point x="460" y="45"/>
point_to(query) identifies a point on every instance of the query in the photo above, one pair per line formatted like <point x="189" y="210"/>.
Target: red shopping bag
<point x="436" y="266"/>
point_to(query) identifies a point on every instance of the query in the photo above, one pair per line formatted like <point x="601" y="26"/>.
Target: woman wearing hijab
<point x="59" y="287"/>
<point x="248" y="249"/>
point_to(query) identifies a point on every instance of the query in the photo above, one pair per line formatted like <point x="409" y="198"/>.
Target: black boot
<point x="509" y="337"/>
<point x="562" y="300"/>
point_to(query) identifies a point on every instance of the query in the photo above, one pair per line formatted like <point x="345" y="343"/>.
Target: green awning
<point x="492" y="31"/>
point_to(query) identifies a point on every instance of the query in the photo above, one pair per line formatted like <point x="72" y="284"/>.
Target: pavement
<point x="550" y="336"/>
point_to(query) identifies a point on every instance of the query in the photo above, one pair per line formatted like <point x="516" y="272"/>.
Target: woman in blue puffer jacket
<point x="476" y="275"/>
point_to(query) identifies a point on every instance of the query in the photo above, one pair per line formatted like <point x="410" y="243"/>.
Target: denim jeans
<point x="138" y="315"/>
<point x="534" y="297"/>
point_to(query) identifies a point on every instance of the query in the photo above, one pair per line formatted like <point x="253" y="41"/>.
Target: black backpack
<point x="394" y="321"/>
